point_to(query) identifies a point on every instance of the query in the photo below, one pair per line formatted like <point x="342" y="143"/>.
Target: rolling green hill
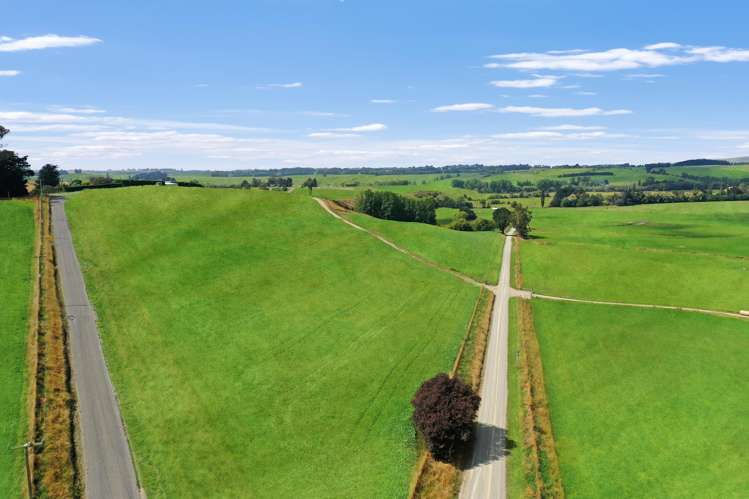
<point x="260" y="347"/>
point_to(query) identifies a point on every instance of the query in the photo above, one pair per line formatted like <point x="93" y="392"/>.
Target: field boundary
<point x="540" y="461"/>
<point x="642" y="305"/>
<point x="29" y="405"/>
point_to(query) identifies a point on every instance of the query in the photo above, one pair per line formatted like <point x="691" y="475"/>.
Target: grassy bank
<point x="16" y="276"/>
<point x="646" y="403"/>
<point x="259" y="347"/>
<point x="476" y="254"/>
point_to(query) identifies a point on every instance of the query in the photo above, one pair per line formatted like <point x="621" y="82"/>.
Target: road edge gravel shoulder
<point x="107" y="461"/>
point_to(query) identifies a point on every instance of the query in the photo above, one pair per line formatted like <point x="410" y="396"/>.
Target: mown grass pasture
<point x="476" y="254"/>
<point x="686" y="254"/>
<point x="259" y="346"/>
<point x="646" y="403"/>
<point x="16" y="285"/>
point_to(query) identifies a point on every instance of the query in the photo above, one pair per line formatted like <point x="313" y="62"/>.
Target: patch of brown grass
<point x="55" y="467"/>
<point x="540" y="462"/>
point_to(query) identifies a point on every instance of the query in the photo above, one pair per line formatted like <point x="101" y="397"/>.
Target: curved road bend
<point x="107" y="464"/>
<point x="485" y="476"/>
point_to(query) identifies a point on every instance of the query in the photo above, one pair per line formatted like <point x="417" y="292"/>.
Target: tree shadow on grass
<point x="490" y="443"/>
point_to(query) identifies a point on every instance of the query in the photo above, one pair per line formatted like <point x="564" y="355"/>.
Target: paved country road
<point x="485" y="476"/>
<point x="108" y="471"/>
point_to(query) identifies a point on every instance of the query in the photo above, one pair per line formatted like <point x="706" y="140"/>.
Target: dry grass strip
<point x="433" y="479"/>
<point x="32" y="353"/>
<point x="540" y="462"/>
<point x="55" y="467"/>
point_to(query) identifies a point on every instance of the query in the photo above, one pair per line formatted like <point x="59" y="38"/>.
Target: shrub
<point x="461" y="224"/>
<point x="482" y="225"/>
<point x="444" y="411"/>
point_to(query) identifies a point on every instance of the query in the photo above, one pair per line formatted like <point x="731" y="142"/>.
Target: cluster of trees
<point x="392" y="206"/>
<point x="15" y="171"/>
<point x="282" y="183"/>
<point x="445" y="409"/>
<point x="442" y="200"/>
<point x="517" y="216"/>
<point x="310" y="183"/>
<point x="569" y="196"/>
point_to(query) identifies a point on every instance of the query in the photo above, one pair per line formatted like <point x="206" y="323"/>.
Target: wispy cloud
<point x="558" y="135"/>
<point x="369" y="127"/>
<point x="331" y="135"/>
<point x="8" y="44"/>
<point x="296" y="84"/>
<point x="382" y="101"/>
<point x="651" y="56"/>
<point x="573" y="127"/>
<point x="562" y="112"/>
<point x="9" y="72"/>
<point x="468" y="106"/>
<point x="645" y="75"/>
<point x="78" y="110"/>
<point x="537" y="82"/>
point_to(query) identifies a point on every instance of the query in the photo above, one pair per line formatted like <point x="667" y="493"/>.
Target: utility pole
<point x="27" y="449"/>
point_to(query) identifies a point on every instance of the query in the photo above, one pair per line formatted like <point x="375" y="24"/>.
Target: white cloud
<point x="369" y="127"/>
<point x="557" y="135"/>
<point x="382" y="101"/>
<point x="296" y="84"/>
<point x="645" y="75"/>
<point x="538" y="96"/>
<point x="78" y="110"/>
<point x="573" y="127"/>
<point x="324" y="114"/>
<point x="561" y="112"/>
<point x="201" y="85"/>
<point x="331" y="135"/>
<point x="468" y="106"/>
<point x="9" y="72"/>
<point x="45" y="42"/>
<point x="588" y="75"/>
<point x="651" y="56"/>
<point x="537" y="82"/>
<point x="585" y="93"/>
<point x="663" y="46"/>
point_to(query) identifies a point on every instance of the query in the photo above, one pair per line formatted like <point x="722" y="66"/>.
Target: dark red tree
<point x="444" y="411"/>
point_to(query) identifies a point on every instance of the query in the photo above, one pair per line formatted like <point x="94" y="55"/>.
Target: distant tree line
<point x="392" y="206"/>
<point x="281" y="183"/>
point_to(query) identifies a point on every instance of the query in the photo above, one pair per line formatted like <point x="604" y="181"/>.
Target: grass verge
<point x="55" y="466"/>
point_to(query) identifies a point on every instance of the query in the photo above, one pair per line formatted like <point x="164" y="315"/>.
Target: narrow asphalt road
<point x="485" y="476"/>
<point x="107" y="465"/>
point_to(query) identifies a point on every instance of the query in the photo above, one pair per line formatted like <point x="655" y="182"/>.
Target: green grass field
<point x="476" y="254"/>
<point x="646" y="403"/>
<point x="16" y="255"/>
<point x="260" y="347"/>
<point x="687" y="254"/>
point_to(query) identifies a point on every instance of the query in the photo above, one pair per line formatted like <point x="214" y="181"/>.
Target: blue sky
<point x="264" y="84"/>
